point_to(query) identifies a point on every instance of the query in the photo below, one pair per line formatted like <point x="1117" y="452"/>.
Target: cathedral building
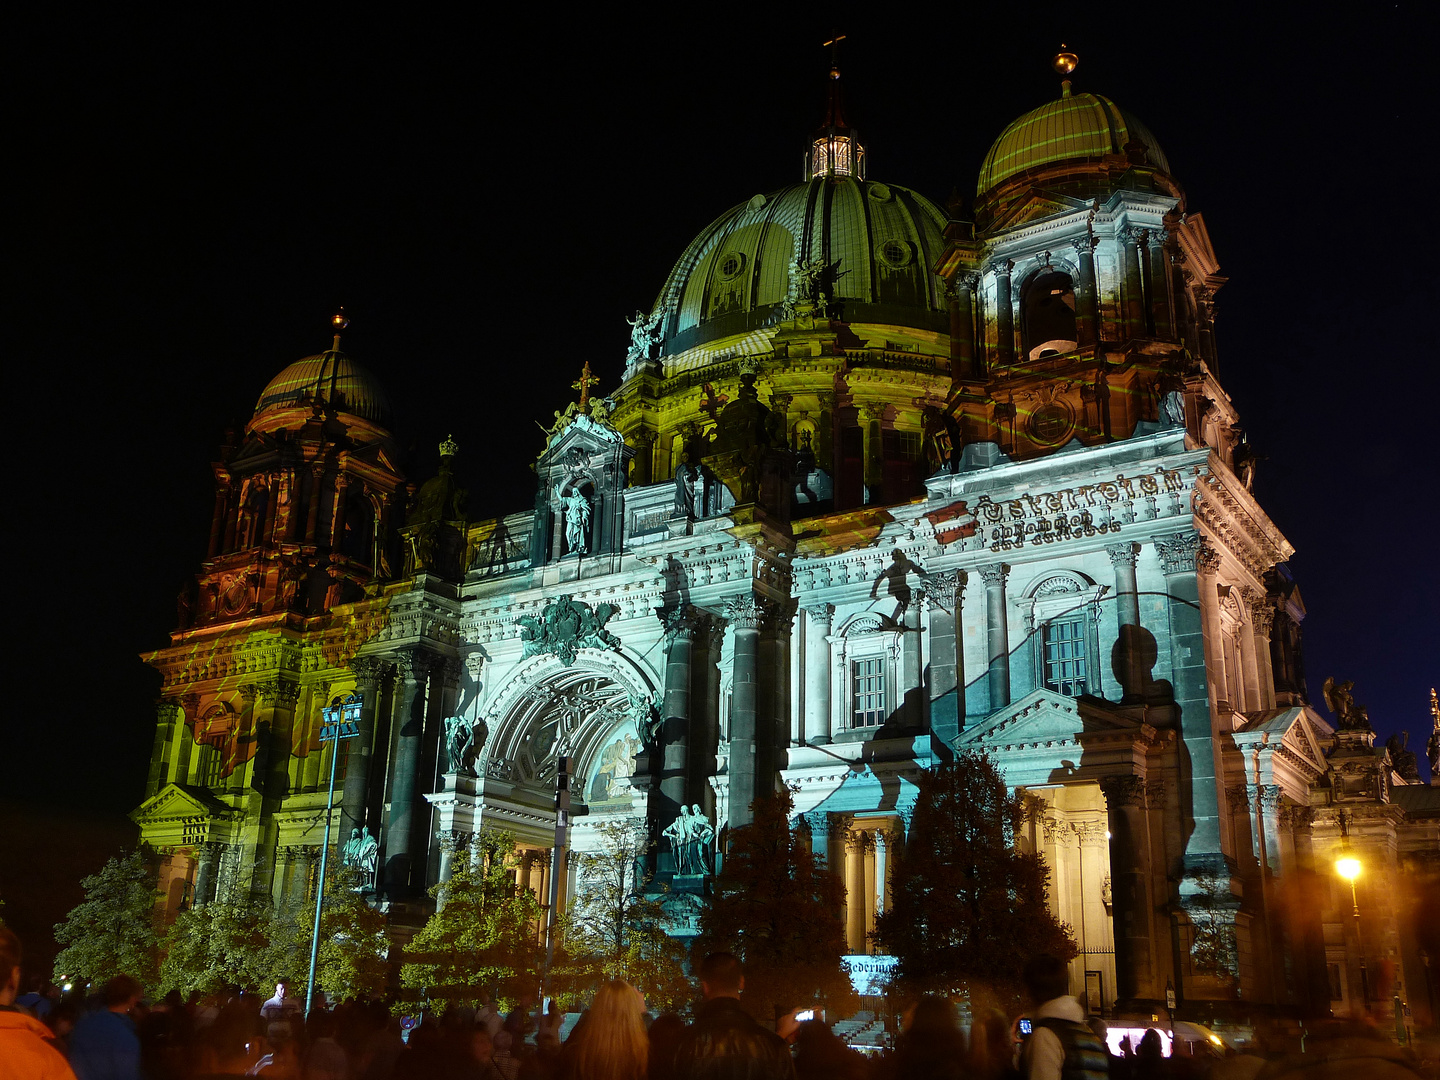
<point x="882" y="482"/>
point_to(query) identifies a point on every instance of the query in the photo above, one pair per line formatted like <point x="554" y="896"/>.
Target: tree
<point x="969" y="908"/>
<point x="223" y="944"/>
<point x="616" y="928"/>
<point x="351" y="962"/>
<point x="484" y="936"/>
<point x="115" y="930"/>
<point x="778" y="910"/>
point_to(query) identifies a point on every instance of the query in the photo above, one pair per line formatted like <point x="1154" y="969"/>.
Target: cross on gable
<point x="584" y="383"/>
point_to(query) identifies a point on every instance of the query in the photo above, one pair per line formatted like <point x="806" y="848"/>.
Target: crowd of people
<point x="116" y="1035"/>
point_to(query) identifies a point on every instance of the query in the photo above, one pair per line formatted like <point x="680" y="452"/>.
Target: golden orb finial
<point x="1065" y="61"/>
<point x="339" y="320"/>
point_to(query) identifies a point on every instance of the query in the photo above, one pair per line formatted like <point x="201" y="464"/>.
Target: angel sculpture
<point x="1348" y="715"/>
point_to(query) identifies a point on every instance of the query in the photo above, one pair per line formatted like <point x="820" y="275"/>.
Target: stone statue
<point x="1402" y="759"/>
<point x="368" y="852"/>
<point x="350" y="853"/>
<point x="678" y="832"/>
<point x="1172" y="408"/>
<point x="687" y="479"/>
<point x="702" y="833"/>
<point x="459" y="744"/>
<point x="577" y="519"/>
<point x="644" y="332"/>
<point x="1432" y="748"/>
<point x="1348" y="715"/>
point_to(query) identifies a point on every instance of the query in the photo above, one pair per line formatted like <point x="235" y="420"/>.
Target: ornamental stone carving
<point x="1187" y="553"/>
<point x="681" y="619"/>
<point x="820" y="615"/>
<point x="278" y="692"/>
<point x="1123" y="790"/>
<point x="947" y="589"/>
<point x="745" y="612"/>
<point x="1084" y="245"/>
<point x="368" y="670"/>
<point x="994" y="575"/>
<point x="565" y="627"/>
<point x="1123" y="554"/>
<point x="1001" y="267"/>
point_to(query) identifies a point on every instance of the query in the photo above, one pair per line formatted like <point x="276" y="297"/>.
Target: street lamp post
<point x="341" y="720"/>
<point x="1348" y="867"/>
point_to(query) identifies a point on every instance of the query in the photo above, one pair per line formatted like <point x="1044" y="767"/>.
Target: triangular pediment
<point x="1195" y="240"/>
<point x="1298" y="729"/>
<point x="1040" y="716"/>
<point x="174" y="801"/>
<point x="1036" y="206"/>
<point x="580" y="439"/>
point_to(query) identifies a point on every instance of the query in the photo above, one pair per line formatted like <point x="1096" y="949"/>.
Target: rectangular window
<point x="868" y="682"/>
<point x="212" y="760"/>
<point x="1065" y="662"/>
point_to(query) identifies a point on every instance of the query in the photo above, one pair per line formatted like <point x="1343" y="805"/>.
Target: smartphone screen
<point x="805" y="1014"/>
<point x="1025" y="1027"/>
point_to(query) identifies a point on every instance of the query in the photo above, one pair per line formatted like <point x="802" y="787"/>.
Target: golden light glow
<point x="1065" y="61"/>
<point x="1348" y="868"/>
<point x="339" y="321"/>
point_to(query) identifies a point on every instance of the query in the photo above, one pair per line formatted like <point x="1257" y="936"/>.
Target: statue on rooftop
<point x="1348" y="715"/>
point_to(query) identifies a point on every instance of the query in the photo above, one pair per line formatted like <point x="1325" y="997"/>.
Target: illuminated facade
<point x="881" y="482"/>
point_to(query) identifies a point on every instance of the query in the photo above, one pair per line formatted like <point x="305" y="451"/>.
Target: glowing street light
<point x="1348" y="867"/>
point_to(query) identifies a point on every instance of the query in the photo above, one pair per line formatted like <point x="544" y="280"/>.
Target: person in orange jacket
<point x="27" y="1050"/>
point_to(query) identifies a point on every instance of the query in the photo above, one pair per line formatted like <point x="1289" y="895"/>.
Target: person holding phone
<point x="1060" y="1046"/>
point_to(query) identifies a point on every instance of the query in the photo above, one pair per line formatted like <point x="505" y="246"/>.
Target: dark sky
<point x="192" y="196"/>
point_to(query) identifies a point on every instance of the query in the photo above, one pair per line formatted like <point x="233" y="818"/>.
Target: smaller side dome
<point x="1079" y="128"/>
<point x="331" y="377"/>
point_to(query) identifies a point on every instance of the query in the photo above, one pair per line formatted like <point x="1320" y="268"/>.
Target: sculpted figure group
<point x="690" y="835"/>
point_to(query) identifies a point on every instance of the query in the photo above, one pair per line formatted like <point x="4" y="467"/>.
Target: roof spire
<point x="583" y="384"/>
<point x="835" y="148"/>
<point x="339" y="322"/>
<point x="1064" y="62"/>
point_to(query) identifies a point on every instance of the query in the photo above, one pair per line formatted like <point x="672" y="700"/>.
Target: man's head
<point x="1046" y="977"/>
<point x="282" y="989"/>
<point x="121" y="993"/>
<point x="11" y="955"/>
<point x="720" y="976"/>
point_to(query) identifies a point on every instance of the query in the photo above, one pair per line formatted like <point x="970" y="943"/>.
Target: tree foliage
<point x="115" y="929"/>
<point x="351" y="961"/>
<point x="778" y="910"/>
<point x="616" y="927"/>
<point x="484" y="936"/>
<point x="969" y="908"/>
<point x="221" y="945"/>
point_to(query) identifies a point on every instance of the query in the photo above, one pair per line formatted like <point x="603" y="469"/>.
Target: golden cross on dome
<point x="583" y="384"/>
<point x="834" y="46"/>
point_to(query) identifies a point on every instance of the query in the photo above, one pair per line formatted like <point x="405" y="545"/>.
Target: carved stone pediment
<point x="174" y="802"/>
<point x="1041" y="717"/>
<point x="1297" y="733"/>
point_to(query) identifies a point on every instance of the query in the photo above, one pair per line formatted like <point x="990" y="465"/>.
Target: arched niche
<point x="1047" y="314"/>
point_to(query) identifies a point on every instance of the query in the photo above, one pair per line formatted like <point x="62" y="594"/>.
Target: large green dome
<point x="1079" y="128"/>
<point x="881" y="241"/>
<point x="330" y="377"/>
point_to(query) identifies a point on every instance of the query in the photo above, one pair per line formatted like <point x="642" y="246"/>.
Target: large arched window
<point x="1048" y="314"/>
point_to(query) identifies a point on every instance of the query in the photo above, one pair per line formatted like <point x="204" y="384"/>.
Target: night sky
<point x="192" y="198"/>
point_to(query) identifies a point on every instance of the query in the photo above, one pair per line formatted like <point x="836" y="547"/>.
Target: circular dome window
<point x="879" y="192"/>
<point x="1051" y="423"/>
<point x="731" y="264"/>
<point x="896" y="253"/>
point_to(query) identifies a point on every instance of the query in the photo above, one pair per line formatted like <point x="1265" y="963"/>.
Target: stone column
<point x="1262" y="619"/>
<point x="217" y="519"/>
<point x="962" y="326"/>
<point x="1130" y="651"/>
<point x="1160" y="320"/>
<point x="337" y="510"/>
<point x="368" y="672"/>
<point x="882" y="871"/>
<point x="312" y="515"/>
<point x="1184" y="558"/>
<point x="168" y="718"/>
<point x="872" y="414"/>
<point x="1132" y="243"/>
<point x="270" y="780"/>
<point x="1004" y="313"/>
<point x="680" y="624"/>
<point x="744" y="614"/>
<point x="205" y="856"/>
<point x="912" y="689"/>
<point x="819" y="825"/>
<point x="997" y="634"/>
<point x="1130" y="898"/>
<point x="855" y="906"/>
<point x="412" y="667"/>
<point x="817" y="673"/>
<point x="773" y="721"/>
<point x="947" y="654"/>
<point x="1205" y="325"/>
<point x="1087" y="317"/>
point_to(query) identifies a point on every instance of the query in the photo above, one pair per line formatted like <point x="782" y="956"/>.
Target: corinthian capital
<point x="1084" y="245"/>
<point x="1187" y="553"/>
<point x="1136" y="236"/>
<point x="278" y="691"/>
<point x="820" y="616"/>
<point x="1001" y="267"/>
<point x="680" y="619"/>
<point x="993" y="575"/>
<point x="1122" y="554"/>
<point x="947" y="589"/>
<point x="412" y="664"/>
<point x="744" y="612"/>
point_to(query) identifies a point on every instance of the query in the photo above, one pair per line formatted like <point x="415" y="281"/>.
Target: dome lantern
<point x="835" y="147"/>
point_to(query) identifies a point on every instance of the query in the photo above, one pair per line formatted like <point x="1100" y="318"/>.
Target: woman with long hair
<point x="610" y="1044"/>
